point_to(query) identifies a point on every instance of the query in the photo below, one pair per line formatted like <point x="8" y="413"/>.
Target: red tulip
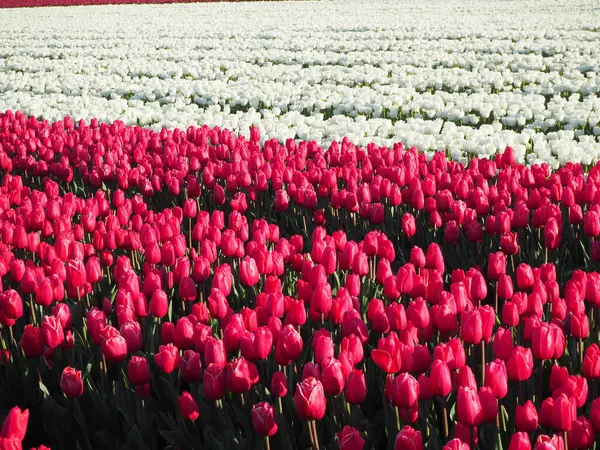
<point x="563" y="413"/>
<point x="32" y="342"/>
<point x="591" y="224"/>
<point x="290" y="343"/>
<point x="591" y="362"/>
<point x="52" y="332"/>
<point x="581" y="436"/>
<point x="190" y="366"/>
<point x="519" y="441"/>
<point x="215" y="352"/>
<point x="552" y="234"/>
<point x="167" y="358"/>
<point x="71" y="382"/>
<point x="468" y="407"/>
<point x="440" y="379"/>
<point x="138" y="370"/>
<point x="356" y="388"/>
<point x="263" y="419"/>
<point x="525" y="277"/>
<point x="350" y="439"/>
<point x="241" y="375"/>
<point x="132" y="333"/>
<point x="310" y="399"/>
<point x="472" y="327"/>
<point x="279" y="384"/>
<point x="408" y="439"/>
<point x="489" y="404"/>
<point x="456" y="444"/>
<point x="542" y="342"/>
<point x="387" y="354"/>
<point x="249" y="274"/>
<point x="188" y="406"/>
<point x="496" y="378"/>
<point x="15" y="426"/>
<point x="404" y="391"/>
<point x="214" y="382"/>
<point x="496" y="266"/>
<point x="526" y="417"/>
<point x="409" y="226"/>
<point x="257" y="346"/>
<point x="520" y="364"/>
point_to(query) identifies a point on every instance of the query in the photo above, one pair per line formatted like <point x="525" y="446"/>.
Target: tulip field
<point x="373" y="227"/>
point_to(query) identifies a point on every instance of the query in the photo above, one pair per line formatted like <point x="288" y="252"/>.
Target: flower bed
<point x="160" y="288"/>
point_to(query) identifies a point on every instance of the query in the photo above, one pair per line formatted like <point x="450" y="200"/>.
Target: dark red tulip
<point x="279" y="384"/>
<point x="525" y="277"/>
<point x="264" y="420"/>
<point x="290" y="343"/>
<point x="214" y="382"/>
<point x="138" y="370"/>
<point x="132" y="333"/>
<point x="190" y="366"/>
<point x="350" y="439"/>
<point x="356" y="388"/>
<point x="71" y="383"/>
<point x="32" y="341"/>
<point x="408" y="439"/>
<point x="591" y="224"/>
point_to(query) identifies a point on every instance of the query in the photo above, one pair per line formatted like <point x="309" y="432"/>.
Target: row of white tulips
<point x="469" y="78"/>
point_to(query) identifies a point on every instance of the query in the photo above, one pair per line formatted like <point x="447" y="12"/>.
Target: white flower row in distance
<point x="469" y="78"/>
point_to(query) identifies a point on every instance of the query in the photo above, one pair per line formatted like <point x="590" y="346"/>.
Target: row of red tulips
<point x="45" y="3"/>
<point x="385" y="300"/>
